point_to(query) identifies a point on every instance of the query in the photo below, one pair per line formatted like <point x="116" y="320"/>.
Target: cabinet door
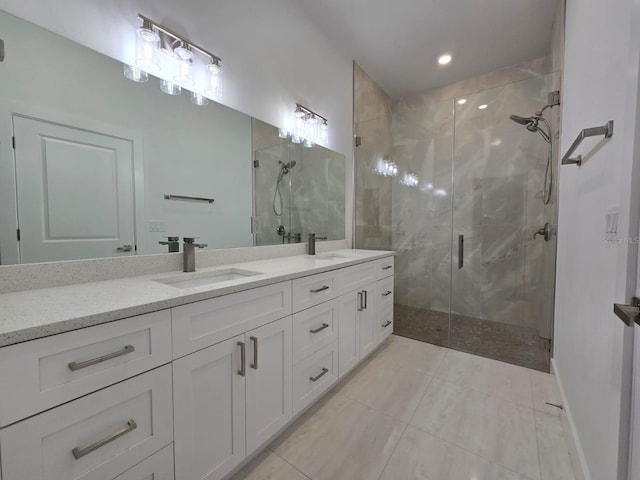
<point x="348" y="332"/>
<point x="209" y="406"/>
<point x="269" y="381"/>
<point x="367" y="320"/>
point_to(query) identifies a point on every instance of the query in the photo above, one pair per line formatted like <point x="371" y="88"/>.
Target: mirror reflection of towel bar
<point x="168" y="196"/>
<point x="606" y="130"/>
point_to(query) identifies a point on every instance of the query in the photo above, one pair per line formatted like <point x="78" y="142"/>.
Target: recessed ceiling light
<point x="462" y="101"/>
<point x="444" y="59"/>
<point x="483" y="106"/>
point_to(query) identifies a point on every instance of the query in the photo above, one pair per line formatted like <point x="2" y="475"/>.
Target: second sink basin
<point x="199" y="279"/>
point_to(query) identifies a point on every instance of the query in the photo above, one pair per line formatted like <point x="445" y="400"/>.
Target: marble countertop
<point x="32" y="314"/>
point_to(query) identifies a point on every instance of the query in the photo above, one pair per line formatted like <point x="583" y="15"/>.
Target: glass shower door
<point x="497" y="282"/>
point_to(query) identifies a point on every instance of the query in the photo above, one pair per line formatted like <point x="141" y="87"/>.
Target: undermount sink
<point x="190" y="280"/>
<point x="330" y="256"/>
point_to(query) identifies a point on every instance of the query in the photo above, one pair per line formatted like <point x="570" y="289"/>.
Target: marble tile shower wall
<point x="372" y="117"/>
<point x="491" y="193"/>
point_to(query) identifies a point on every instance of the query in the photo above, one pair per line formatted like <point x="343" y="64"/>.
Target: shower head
<point x="285" y="167"/>
<point x="522" y="120"/>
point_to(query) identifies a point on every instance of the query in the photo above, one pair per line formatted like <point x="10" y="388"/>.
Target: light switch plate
<point x="157" y="226"/>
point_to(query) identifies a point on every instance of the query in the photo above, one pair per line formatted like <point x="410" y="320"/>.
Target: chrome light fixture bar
<point x="189" y="65"/>
<point x="309" y="127"/>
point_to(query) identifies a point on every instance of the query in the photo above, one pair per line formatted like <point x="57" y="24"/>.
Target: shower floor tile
<point x="499" y="341"/>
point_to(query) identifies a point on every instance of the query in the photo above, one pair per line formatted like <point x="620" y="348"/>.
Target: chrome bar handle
<point x="385" y="325"/>
<point x="254" y="365"/>
<point x="73" y="366"/>
<point x="321" y="289"/>
<point x="319" y="376"/>
<point x="360" y="305"/>
<point x="387" y="293"/>
<point x="319" y="329"/>
<point x="388" y="267"/>
<point x="366" y="299"/>
<point x="460" y="251"/>
<point x="243" y="359"/>
<point x="78" y="453"/>
<point x="170" y="196"/>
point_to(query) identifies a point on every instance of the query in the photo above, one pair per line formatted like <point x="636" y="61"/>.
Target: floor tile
<point x="500" y="379"/>
<point x="341" y="440"/>
<point x="401" y="353"/>
<point x="544" y="390"/>
<point x="268" y="466"/>
<point x="555" y="462"/>
<point x="420" y="455"/>
<point x="489" y="426"/>
<point x="385" y="388"/>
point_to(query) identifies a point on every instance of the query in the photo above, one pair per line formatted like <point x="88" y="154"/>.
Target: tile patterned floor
<point x="420" y="411"/>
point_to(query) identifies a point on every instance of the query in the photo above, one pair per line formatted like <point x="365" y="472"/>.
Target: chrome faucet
<point x="173" y="243"/>
<point x="311" y="248"/>
<point x="189" y="254"/>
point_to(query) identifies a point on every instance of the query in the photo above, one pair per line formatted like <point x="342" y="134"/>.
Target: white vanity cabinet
<point x="189" y="392"/>
<point x="233" y="396"/>
<point x="366" y="314"/>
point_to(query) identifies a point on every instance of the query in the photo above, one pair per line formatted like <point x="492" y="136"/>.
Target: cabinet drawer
<point x="357" y="276"/>
<point x="314" y="328"/>
<point x="384" y="291"/>
<point x="315" y="289"/>
<point x="384" y="321"/>
<point x="385" y="268"/>
<point x="96" y="437"/>
<point x="314" y="375"/>
<point x="201" y="324"/>
<point x="44" y="373"/>
<point x="157" y="467"/>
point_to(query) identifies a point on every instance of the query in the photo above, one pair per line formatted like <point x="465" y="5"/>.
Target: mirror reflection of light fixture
<point x="386" y="168"/>
<point x="410" y="180"/>
<point x="185" y="64"/>
<point x="309" y="127"/>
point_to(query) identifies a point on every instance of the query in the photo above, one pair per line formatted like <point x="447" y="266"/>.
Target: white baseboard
<point x="578" y="460"/>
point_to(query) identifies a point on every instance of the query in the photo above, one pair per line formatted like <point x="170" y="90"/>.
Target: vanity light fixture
<point x="309" y="127"/>
<point x="185" y="64"/>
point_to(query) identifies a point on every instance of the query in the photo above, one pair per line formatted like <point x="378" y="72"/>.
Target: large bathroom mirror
<point x="95" y="165"/>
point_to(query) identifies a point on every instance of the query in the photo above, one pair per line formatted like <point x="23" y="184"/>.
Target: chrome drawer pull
<point x="254" y="365"/>
<point x="319" y="329"/>
<point x="360" y="304"/>
<point x="385" y="325"/>
<point x="78" y="453"/>
<point x="387" y="267"/>
<point x="243" y="360"/>
<point x="387" y="293"/>
<point x="321" y="289"/>
<point x="73" y="366"/>
<point x="319" y="376"/>
<point x="366" y="299"/>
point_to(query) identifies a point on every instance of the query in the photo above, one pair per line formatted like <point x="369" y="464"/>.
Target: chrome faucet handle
<point x="189" y="239"/>
<point x="200" y="245"/>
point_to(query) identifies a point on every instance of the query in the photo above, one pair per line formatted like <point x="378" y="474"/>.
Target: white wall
<point x="592" y="347"/>
<point x="272" y="55"/>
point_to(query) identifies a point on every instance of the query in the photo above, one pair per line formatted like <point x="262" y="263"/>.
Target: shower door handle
<point x="460" y="251"/>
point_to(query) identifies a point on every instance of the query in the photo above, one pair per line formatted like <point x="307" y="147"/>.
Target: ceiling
<point x="398" y="42"/>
